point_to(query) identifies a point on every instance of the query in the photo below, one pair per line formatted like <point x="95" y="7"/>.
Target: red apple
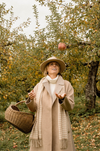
<point x="61" y="46"/>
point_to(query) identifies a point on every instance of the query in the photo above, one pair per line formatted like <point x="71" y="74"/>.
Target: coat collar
<point x="58" y="88"/>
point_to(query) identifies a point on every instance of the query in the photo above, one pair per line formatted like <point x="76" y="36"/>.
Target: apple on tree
<point x="61" y="46"/>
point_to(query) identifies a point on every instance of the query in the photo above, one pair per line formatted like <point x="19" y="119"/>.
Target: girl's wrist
<point x="61" y="100"/>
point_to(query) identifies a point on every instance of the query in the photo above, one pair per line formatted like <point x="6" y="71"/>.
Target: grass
<point x="13" y="140"/>
<point x="85" y="127"/>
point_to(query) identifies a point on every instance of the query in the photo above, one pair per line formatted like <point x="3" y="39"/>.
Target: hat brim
<point x="59" y="61"/>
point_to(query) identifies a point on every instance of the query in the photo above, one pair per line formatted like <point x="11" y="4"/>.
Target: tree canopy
<point x="77" y="24"/>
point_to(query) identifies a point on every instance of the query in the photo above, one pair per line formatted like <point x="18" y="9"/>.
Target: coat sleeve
<point x="68" y="102"/>
<point x="31" y="104"/>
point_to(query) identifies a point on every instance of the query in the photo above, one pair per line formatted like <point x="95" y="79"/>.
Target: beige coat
<point x="50" y="115"/>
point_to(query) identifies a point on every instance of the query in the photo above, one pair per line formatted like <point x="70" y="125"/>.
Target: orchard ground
<point x="85" y="127"/>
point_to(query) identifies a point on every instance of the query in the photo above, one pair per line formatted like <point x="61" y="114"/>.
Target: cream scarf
<point x="52" y="83"/>
<point x="36" y="134"/>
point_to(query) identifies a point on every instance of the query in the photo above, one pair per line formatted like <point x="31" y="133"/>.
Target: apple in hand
<point x="61" y="46"/>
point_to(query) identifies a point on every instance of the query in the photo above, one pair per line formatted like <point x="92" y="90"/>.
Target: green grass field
<point x="85" y="127"/>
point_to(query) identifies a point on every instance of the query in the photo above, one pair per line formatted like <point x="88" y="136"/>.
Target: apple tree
<point x="14" y="58"/>
<point x="78" y="25"/>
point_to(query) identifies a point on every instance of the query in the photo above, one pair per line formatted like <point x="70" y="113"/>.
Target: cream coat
<point x="50" y="132"/>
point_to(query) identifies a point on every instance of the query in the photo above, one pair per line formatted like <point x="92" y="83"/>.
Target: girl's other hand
<point x="60" y="96"/>
<point x="32" y="95"/>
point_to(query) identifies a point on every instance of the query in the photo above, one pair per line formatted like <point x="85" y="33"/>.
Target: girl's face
<point x="53" y="68"/>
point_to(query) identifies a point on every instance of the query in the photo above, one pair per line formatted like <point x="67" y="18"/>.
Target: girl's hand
<point x="32" y="95"/>
<point x="60" y="96"/>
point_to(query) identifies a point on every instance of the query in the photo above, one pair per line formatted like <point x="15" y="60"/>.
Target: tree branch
<point x="8" y="44"/>
<point x="78" y="44"/>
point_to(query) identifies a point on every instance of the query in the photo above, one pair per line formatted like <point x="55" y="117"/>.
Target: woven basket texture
<point x="21" y="120"/>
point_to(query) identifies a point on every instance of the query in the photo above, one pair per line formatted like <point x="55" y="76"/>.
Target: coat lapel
<point x="47" y="86"/>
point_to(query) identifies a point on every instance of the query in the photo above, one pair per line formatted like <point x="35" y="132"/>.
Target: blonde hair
<point x="45" y="73"/>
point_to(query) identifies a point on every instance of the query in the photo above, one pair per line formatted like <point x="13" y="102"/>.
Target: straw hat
<point x="51" y="59"/>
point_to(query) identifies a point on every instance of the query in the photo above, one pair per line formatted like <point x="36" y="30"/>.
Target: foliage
<point x="2" y="119"/>
<point x="80" y="109"/>
<point x="17" y="73"/>
<point x="72" y="24"/>
<point x="21" y="56"/>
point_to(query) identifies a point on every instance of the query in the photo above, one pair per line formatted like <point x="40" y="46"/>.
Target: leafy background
<point x="78" y="26"/>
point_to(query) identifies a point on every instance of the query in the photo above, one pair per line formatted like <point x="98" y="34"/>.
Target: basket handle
<point x="20" y="102"/>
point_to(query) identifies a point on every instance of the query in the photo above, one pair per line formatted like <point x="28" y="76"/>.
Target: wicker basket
<point x="21" y="120"/>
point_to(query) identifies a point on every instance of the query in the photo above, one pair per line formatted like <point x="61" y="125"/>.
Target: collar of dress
<point x="53" y="81"/>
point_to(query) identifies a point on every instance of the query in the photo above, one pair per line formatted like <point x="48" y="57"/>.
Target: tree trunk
<point x="91" y="86"/>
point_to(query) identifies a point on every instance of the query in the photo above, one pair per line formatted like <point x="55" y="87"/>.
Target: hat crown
<point x="53" y="57"/>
